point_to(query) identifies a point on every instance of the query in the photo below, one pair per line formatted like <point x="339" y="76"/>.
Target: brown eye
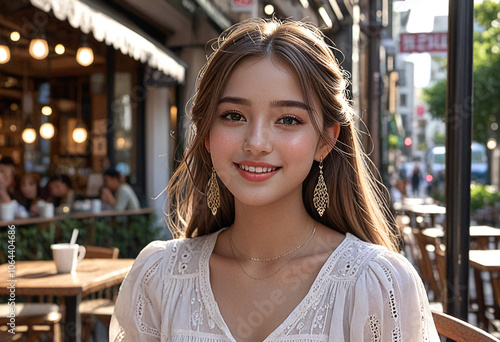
<point x="289" y="121"/>
<point x="233" y="116"/>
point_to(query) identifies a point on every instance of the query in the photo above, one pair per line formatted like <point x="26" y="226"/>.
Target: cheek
<point x="224" y="148"/>
<point x="222" y="141"/>
<point x="298" y="145"/>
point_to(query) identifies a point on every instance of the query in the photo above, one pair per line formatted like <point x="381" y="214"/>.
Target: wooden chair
<point x="440" y="254"/>
<point x="428" y="272"/>
<point x="99" y="305"/>
<point x="409" y="247"/>
<point x="493" y="315"/>
<point x="458" y="330"/>
<point x="32" y="320"/>
<point x="94" y="252"/>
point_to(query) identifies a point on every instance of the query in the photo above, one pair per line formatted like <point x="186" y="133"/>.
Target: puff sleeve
<point x="137" y="314"/>
<point x="390" y="303"/>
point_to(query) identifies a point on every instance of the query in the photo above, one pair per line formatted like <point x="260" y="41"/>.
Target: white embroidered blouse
<point x="363" y="292"/>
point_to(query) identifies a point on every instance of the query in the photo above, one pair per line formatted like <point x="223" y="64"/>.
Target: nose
<point x="258" y="139"/>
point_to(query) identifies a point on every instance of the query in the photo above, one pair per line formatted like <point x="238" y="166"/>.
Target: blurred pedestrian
<point x="416" y="177"/>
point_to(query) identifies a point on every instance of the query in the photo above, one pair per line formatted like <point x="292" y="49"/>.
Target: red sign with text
<point x="242" y="5"/>
<point x="420" y="111"/>
<point x="424" y="42"/>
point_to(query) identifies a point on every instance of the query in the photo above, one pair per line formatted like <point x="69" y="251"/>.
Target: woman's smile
<point x="256" y="172"/>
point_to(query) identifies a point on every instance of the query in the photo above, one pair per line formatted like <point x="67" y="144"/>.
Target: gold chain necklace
<point x="274" y="258"/>
<point x="279" y="269"/>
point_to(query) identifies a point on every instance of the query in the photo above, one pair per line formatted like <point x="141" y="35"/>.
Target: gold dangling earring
<point x="213" y="197"/>
<point x="321" y="198"/>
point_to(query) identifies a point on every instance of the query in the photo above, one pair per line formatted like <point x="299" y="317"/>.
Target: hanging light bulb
<point x="46" y="110"/>
<point x="4" y="54"/>
<point x="60" y="49"/>
<point x="29" y="134"/>
<point x="79" y="133"/>
<point x="269" y="9"/>
<point x="85" y="56"/>
<point x="39" y="49"/>
<point x="47" y="130"/>
<point x="15" y="36"/>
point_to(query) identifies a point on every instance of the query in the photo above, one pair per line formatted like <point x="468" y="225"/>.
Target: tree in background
<point x="486" y="76"/>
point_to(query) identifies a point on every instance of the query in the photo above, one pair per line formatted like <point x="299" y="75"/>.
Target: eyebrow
<point x="276" y="104"/>
<point x="235" y="100"/>
<point x="290" y="103"/>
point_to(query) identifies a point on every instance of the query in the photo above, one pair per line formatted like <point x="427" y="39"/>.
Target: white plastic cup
<point x="96" y="205"/>
<point x="7" y="211"/>
<point x="41" y="205"/>
<point x="48" y="210"/>
<point x="66" y="256"/>
<point x="87" y="205"/>
<point x="22" y="212"/>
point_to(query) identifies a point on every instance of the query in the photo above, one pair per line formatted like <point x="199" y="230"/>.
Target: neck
<point x="268" y="231"/>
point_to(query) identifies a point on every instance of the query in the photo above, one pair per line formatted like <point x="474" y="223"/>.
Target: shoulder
<point x="384" y="294"/>
<point x="124" y="187"/>
<point x="177" y="257"/>
<point x="358" y="258"/>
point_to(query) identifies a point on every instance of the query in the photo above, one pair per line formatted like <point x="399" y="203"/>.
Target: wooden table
<point x="480" y="234"/>
<point x="414" y="210"/>
<point x="485" y="261"/>
<point x="33" y="278"/>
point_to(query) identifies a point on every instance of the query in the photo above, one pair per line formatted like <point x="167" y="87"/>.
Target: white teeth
<point x="256" y="169"/>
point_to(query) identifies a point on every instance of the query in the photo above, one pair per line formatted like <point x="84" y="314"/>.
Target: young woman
<point x="282" y="237"/>
<point x="30" y="192"/>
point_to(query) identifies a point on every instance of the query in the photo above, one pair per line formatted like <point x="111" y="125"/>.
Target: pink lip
<point x="256" y="177"/>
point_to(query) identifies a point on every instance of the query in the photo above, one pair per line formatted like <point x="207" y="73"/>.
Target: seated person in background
<point x="116" y="193"/>
<point x="7" y="179"/>
<point x="8" y="187"/>
<point x="30" y="192"/>
<point x="61" y="191"/>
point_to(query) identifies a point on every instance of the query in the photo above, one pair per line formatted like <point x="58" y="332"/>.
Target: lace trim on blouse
<point x="375" y="328"/>
<point x="143" y="326"/>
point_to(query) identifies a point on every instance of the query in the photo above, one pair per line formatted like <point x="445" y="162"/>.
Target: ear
<point x="207" y="142"/>
<point x="323" y="149"/>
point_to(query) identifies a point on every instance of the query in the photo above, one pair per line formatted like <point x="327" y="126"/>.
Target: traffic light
<point x="408" y="141"/>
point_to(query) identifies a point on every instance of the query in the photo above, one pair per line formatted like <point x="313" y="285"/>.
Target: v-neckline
<point x="213" y="308"/>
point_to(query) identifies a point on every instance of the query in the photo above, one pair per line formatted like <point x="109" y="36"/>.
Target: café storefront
<point x="82" y="89"/>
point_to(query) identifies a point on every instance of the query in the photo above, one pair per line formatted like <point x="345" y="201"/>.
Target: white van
<point x="479" y="162"/>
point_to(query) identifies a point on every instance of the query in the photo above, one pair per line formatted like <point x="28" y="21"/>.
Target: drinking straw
<point x="74" y="236"/>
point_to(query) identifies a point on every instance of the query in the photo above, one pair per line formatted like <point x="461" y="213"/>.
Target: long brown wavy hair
<point x="356" y="201"/>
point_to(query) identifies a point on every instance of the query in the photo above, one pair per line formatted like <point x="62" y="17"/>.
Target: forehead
<point x="271" y="78"/>
<point x="257" y="73"/>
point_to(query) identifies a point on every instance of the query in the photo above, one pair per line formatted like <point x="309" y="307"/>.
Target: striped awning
<point x="108" y="27"/>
